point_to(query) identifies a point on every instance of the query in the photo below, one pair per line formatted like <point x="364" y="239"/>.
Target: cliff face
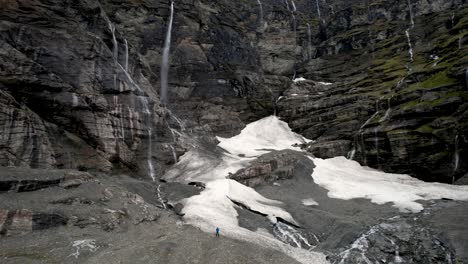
<point x="71" y="97"/>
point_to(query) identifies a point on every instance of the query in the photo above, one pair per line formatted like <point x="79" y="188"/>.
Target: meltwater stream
<point x="293" y="237"/>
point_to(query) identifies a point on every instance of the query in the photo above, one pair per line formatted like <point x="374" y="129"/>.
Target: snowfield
<point x="343" y="178"/>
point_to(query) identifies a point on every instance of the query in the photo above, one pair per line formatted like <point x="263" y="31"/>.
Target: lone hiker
<point x="217" y="231"/>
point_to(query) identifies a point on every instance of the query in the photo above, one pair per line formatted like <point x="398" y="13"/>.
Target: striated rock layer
<point x="387" y="80"/>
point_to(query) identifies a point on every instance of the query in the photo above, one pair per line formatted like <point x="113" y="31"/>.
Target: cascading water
<point x="407" y="32"/>
<point x="165" y="58"/>
<point x="260" y="15"/>
<point x="456" y="155"/>
<point x="361" y="131"/>
<point x="309" y="42"/>
<point x="318" y="8"/>
<point x="114" y="41"/>
<point x="398" y="258"/>
<point x="159" y="197"/>
<point x="410" y="46"/>
<point x="410" y="8"/>
<point x="389" y="110"/>
<point x="126" y="56"/>
<point x="293" y="14"/>
<point x="294" y="9"/>
<point x="291" y="236"/>
<point x="352" y="153"/>
<point x="150" y="154"/>
<point x="287" y="4"/>
<point x="143" y="100"/>
<point x="360" y="245"/>
<point x="376" y="140"/>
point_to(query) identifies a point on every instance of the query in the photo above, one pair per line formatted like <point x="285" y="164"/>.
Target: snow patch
<point x="214" y="206"/>
<point x="309" y="202"/>
<point x="347" y="179"/>
<point x="300" y="79"/>
<point x="262" y="136"/>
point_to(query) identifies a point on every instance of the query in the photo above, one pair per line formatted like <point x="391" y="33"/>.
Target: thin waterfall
<point x="114" y="40"/>
<point x="456" y="155"/>
<point x="398" y="258"/>
<point x="165" y="58"/>
<point x="287" y="4"/>
<point x="294" y="9"/>
<point x="389" y="110"/>
<point x="352" y="153"/>
<point x="309" y="39"/>
<point x="376" y="140"/>
<point x="148" y="113"/>
<point x="453" y="18"/>
<point x="293" y="15"/>
<point x="174" y="154"/>
<point x="126" y="55"/>
<point x="318" y="8"/>
<point x="150" y="154"/>
<point x="260" y="6"/>
<point x="410" y="51"/>
<point x="411" y="13"/>
<point x="407" y="32"/>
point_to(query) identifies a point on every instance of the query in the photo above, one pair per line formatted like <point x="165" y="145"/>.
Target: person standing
<point x="217" y="231"/>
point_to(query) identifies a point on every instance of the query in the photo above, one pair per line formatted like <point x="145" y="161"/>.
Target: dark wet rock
<point x="23" y="221"/>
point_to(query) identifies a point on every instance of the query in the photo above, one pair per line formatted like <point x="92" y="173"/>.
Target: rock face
<point x="270" y="167"/>
<point x="396" y="97"/>
<point x="79" y="82"/>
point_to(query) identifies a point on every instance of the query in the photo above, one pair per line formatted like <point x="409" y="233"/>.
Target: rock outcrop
<point x="268" y="168"/>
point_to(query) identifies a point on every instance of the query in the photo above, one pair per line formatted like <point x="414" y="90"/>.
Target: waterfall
<point x="114" y="40"/>
<point x="150" y="154"/>
<point x="453" y="18"/>
<point x="294" y="9"/>
<point x="376" y="140"/>
<point x="309" y="39"/>
<point x="456" y="155"/>
<point x="147" y="112"/>
<point x="165" y="58"/>
<point x="75" y="102"/>
<point x="293" y="15"/>
<point x="361" y="245"/>
<point x="318" y="8"/>
<point x="352" y="153"/>
<point x="289" y="235"/>
<point x="410" y="51"/>
<point x="398" y="259"/>
<point x="126" y="55"/>
<point x="389" y="110"/>
<point x="174" y="154"/>
<point x="260" y="6"/>
<point x="411" y="13"/>
<point x="287" y="5"/>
